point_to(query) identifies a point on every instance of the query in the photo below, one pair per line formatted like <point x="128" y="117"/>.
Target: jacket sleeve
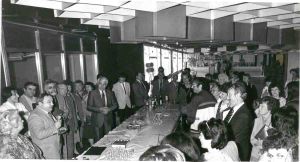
<point x="114" y="102"/>
<point x="36" y="128"/>
<point x="91" y="103"/>
<point x="242" y="137"/>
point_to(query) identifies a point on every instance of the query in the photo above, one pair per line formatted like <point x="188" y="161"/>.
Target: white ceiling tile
<point x="271" y="4"/>
<point x="90" y="8"/>
<point x="150" y="6"/>
<point x="272" y="11"/>
<point x="43" y="4"/>
<point x="123" y="11"/>
<point x="243" y="7"/>
<point x="120" y="18"/>
<point x="241" y="16"/>
<point x="192" y="10"/>
<point x="276" y="23"/>
<point x="68" y="14"/>
<point x="219" y="13"/>
<point x="95" y="22"/>
<point x="210" y="4"/>
<point x="288" y="16"/>
<point x="105" y="2"/>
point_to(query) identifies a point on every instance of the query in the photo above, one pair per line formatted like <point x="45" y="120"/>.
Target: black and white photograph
<point x="150" y="80"/>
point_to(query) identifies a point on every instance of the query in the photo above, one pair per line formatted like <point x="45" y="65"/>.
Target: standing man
<point x="28" y="99"/>
<point x="172" y="89"/>
<point x="122" y="93"/>
<point x="50" y="89"/>
<point x="239" y="120"/>
<point x="102" y="103"/>
<point x="140" y="91"/>
<point x="160" y="85"/>
<point x="43" y="127"/>
<point x="67" y="105"/>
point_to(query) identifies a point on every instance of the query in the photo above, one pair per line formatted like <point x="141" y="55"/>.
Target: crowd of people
<point x="225" y="117"/>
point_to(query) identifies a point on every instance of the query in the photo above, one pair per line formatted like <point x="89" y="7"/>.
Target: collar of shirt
<point x="44" y="111"/>
<point x="235" y="108"/>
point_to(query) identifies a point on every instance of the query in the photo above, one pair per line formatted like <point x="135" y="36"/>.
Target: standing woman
<point x="276" y="92"/>
<point x="13" y="144"/>
<point x="261" y="125"/>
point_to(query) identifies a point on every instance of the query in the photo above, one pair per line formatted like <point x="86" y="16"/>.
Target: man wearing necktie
<point x="160" y="86"/>
<point x="121" y="90"/>
<point x="140" y="91"/>
<point x="102" y="104"/>
<point x="239" y="120"/>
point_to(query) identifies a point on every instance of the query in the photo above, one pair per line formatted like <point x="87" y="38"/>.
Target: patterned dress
<point x="18" y="148"/>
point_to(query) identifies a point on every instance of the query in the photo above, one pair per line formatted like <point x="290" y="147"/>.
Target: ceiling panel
<point x="239" y="17"/>
<point x="123" y="11"/>
<point x="42" y="4"/>
<point x="272" y="11"/>
<point x="289" y="26"/>
<point x="89" y="8"/>
<point x="95" y="22"/>
<point x="243" y="7"/>
<point x="120" y="18"/>
<point x="276" y="23"/>
<point x="211" y="4"/>
<point x="150" y="6"/>
<point x="212" y="14"/>
<point x="105" y="2"/>
<point x="68" y="14"/>
<point x="192" y="10"/>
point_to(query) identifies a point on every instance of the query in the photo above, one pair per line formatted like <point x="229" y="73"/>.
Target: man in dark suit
<point x="251" y="92"/>
<point x="172" y="89"/>
<point x="102" y="103"/>
<point x="140" y="91"/>
<point x="160" y="86"/>
<point x="239" y="120"/>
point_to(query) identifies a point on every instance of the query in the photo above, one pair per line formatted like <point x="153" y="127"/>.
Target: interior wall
<point x="116" y="58"/>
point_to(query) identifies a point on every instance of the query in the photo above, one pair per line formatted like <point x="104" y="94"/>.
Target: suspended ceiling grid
<point x="279" y="15"/>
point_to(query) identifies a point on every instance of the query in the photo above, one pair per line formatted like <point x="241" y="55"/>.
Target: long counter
<point x="156" y="124"/>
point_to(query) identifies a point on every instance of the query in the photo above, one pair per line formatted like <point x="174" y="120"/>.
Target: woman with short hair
<point x="262" y="124"/>
<point x="214" y="138"/>
<point x="277" y="93"/>
<point x="14" y="145"/>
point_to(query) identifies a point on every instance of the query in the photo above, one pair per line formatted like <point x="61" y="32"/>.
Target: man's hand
<point x="58" y="124"/>
<point x="105" y="110"/>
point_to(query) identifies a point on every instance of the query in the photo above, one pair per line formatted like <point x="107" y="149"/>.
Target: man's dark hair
<point x="30" y="84"/>
<point x="239" y="87"/>
<point x="79" y="82"/>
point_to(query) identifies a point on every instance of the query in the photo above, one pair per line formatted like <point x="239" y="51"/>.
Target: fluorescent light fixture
<point x="212" y="14"/>
<point x="276" y="23"/>
<point x="241" y="16"/>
